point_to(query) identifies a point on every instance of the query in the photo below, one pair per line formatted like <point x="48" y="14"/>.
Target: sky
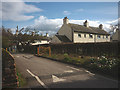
<point x="47" y="17"/>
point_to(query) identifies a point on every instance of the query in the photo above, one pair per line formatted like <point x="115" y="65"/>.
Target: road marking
<point x="37" y="79"/>
<point x="56" y="79"/>
<point x="41" y="82"/>
<point x="89" y="72"/>
<point x="74" y="68"/>
<point x="69" y="71"/>
<point x="31" y="73"/>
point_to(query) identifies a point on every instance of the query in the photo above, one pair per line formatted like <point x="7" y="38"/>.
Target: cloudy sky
<point x="48" y="16"/>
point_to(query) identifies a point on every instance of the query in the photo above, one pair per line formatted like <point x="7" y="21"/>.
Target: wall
<point x="103" y="39"/>
<point x="82" y="39"/>
<point x="9" y="77"/>
<point x="55" y="40"/>
<point x="115" y="36"/>
<point x="65" y="30"/>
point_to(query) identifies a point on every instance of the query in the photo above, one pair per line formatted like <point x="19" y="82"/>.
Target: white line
<point x="89" y="72"/>
<point x="31" y="73"/>
<point x="41" y="82"/>
<point x="74" y="68"/>
<point x="56" y="79"/>
<point x="69" y="71"/>
<point x="37" y="79"/>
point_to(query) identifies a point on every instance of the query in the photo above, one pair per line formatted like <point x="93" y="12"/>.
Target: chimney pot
<point x="65" y="20"/>
<point x="46" y="34"/>
<point x="86" y="24"/>
<point x="101" y="26"/>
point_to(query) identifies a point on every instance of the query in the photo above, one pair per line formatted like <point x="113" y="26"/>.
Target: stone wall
<point x="9" y="77"/>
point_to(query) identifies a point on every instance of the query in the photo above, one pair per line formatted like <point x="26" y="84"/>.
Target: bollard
<point x="6" y="49"/>
<point x="49" y="51"/>
<point x="13" y="50"/>
<point x="38" y="50"/>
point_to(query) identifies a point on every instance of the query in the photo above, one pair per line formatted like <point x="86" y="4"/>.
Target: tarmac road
<point x="44" y="73"/>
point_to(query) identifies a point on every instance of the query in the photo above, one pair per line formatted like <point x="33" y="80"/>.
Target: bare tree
<point x="113" y="28"/>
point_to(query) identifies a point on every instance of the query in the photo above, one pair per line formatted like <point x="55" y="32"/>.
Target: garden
<point x="107" y="66"/>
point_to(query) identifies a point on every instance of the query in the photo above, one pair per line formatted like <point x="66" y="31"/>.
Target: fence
<point x="110" y="49"/>
<point x="27" y="49"/>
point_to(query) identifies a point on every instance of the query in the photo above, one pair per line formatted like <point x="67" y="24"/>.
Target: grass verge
<point x="21" y="79"/>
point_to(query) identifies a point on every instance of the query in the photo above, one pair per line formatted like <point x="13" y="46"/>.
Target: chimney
<point x="65" y="20"/>
<point x="46" y="34"/>
<point x="101" y="26"/>
<point x="33" y="33"/>
<point x="17" y="30"/>
<point x="86" y="24"/>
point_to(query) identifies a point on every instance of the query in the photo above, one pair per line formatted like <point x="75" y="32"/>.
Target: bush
<point x="105" y="65"/>
<point x="67" y="58"/>
<point x="54" y="56"/>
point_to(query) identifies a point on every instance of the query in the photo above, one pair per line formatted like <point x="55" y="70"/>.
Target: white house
<point x="116" y="36"/>
<point x="39" y="42"/>
<point x="80" y="33"/>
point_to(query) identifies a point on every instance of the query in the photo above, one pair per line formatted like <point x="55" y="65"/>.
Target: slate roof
<point x="81" y="28"/>
<point x="62" y="38"/>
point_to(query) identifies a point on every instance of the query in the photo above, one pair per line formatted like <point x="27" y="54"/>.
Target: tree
<point x="7" y="37"/>
<point x="113" y="28"/>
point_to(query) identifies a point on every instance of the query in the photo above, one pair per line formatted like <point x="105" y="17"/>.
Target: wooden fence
<point x="110" y="49"/>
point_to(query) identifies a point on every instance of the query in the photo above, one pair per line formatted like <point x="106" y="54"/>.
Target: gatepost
<point x="37" y="50"/>
<point x="49" y="51"/>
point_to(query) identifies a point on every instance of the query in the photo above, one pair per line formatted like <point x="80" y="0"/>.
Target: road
<point x="44" y="73"/>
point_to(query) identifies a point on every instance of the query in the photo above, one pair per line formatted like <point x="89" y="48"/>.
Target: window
<point x="90" y="36"/>
<point x="106" y="36"/>
<point x="79" y="35"/>
<point x="84" y="35"/>
<point x="98" y="36"/>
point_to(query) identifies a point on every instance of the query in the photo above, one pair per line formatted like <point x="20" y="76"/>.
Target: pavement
<point x="44" y="73"/>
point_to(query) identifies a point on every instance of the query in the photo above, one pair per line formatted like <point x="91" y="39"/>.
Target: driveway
<point x="44" y="73"/>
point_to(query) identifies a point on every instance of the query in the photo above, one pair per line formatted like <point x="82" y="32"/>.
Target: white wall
<point x="82" y="39"/>
<point x="44" y="41"/>
<point x="40" y="42"/>
<point x="103" y="39"/>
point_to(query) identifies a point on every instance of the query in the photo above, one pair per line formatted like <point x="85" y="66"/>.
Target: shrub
<point x="67" y="58"/>
<point x="54" y="56"/>
<point x="105" y="65"/>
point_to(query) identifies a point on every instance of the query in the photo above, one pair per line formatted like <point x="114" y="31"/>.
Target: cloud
<point x="43" y="24"/>
<point x="113" y="22"/>
<point x="79" y="10"/>
<point x="16" y="11"/>
<point x="51" y="26"/>
<point x="66" y="13"/>
<point x="13" y="30"/>
<point x="64" y="0"/>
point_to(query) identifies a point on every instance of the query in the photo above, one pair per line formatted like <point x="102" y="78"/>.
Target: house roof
<point x="81" y="28"/>
<point x="62" y="38"/>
